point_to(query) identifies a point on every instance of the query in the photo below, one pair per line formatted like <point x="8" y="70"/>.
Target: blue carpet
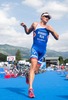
<point x="47" y="86"/>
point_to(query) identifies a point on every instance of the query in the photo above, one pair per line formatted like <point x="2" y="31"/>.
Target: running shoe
<point x="31" y="93"/>
<point x="27" y="78"/>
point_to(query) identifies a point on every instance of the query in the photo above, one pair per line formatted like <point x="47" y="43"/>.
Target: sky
<point x="13" y="12"/>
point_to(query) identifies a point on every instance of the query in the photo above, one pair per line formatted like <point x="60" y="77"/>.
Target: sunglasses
<point x="47" y="17"/>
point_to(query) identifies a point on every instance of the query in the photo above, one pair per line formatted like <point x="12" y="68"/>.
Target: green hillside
<point x="25" y="52"/>
<point x="11" y="50"/>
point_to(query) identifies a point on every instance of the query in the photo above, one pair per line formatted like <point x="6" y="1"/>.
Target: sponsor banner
<point x="11" y="58"/>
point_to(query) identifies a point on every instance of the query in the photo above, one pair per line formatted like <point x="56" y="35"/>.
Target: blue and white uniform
<point x="40" y="38"/>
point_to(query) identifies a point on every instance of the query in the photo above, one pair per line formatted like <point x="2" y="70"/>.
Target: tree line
<point x="3" y="57"/>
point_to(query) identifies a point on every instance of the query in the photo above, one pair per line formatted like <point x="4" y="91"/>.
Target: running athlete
<point x="41" y="33"/>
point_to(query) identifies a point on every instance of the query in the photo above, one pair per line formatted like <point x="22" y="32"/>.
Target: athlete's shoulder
<point x="35" y="24"/>
<point x="49" y="27"/>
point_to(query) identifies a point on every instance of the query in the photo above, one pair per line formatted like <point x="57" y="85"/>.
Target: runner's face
<point x="45" y="19"/>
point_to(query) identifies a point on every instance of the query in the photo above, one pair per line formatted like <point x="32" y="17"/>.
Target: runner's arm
<point x="55" y="35"/>
<point x="27" y="30"/>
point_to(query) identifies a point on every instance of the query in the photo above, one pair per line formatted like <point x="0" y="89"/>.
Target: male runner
<point x="40" y="37"/>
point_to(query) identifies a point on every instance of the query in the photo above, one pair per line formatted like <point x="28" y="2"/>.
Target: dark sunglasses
<point x="47" y="17"/>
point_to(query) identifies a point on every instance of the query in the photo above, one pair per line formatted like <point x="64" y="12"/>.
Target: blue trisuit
<point x="40" y="38"/>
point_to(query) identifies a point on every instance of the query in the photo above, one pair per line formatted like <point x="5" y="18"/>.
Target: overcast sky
<point x="13" y="12"/>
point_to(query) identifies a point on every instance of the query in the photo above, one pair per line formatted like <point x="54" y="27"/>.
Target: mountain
<point x="25" y="52"/>
<point x="11" y="50"/>
<point x="52" y="53"/>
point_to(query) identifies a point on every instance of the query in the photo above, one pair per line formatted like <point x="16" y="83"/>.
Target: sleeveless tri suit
<point x="40" y="38"/>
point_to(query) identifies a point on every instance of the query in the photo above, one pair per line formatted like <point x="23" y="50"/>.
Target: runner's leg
<point x="32" y="71"/>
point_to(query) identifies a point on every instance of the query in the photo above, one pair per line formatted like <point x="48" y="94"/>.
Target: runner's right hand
<point x="23" y="24"/>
